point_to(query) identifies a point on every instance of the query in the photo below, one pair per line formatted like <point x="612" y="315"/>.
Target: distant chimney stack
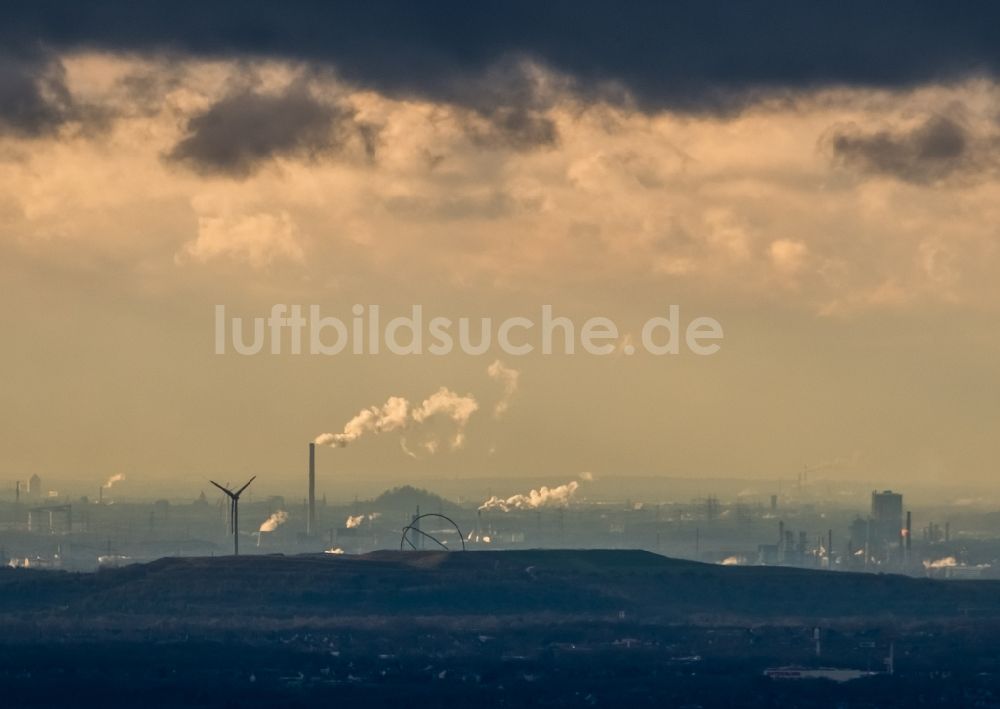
<point x="311" y="511"/>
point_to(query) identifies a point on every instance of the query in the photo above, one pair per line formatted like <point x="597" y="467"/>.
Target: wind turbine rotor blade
<point x="238" y="492"/>
<point x="228" y="492"/>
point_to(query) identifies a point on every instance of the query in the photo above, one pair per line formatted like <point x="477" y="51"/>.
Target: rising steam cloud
<point x="508" y="377"/>
<point x="945" y="563"/>
<point x="354" y="521"/>
<point x="542" y="497"/>
<point x="113" y="479"/>
<point x="397" y="414"/>
<point x="449" y="405"/>
<point x="274" y="521"/>
<point x="391" y="416"/>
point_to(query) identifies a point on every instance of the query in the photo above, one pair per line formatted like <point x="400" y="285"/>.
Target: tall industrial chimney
<point x="909" y="532"/>
<point x="311" y="512"/>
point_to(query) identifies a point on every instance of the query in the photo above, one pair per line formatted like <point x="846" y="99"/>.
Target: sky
<point x="821" y="179"/>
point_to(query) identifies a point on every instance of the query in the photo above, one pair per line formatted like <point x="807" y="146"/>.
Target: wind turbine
<point x="234" y="506"/>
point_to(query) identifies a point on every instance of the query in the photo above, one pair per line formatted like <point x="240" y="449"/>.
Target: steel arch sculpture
<point x="414" y="528"/>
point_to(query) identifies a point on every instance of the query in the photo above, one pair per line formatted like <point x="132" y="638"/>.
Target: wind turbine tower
<point x="234" y="507"/>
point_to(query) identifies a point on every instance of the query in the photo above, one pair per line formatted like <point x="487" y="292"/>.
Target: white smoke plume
<point x="973" y="502"/>
<point x="509" y="378"/>
<point x="542" y="497"/>
<point x="398" y="414"/>
<point x="731" y="561"/>
<point x="945" y="563"/>
<point x="406" y="448"/>
<point x="587" y="476"/>
<point x="448" y="404"/>
<point x="274" y="521"/>
<point x="114" y="479"/>
<point x="391" y="416"/>
<point x="354" y="521"/>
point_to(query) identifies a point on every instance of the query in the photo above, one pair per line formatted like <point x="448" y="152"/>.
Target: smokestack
<point x="311" y="512"/>
<point x="909" y="531"/>
<point x="415" y="523"/>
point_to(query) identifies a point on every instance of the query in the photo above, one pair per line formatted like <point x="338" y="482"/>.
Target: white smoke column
<point x="397" y="414"/>
<point x="274" y="521"/>
<point x="406" y="448"/>
<point x="392" y="415"/>
<point x="945" y="563"/>
<point x="114" y="479"/>
<point x="542" y="497"/>
<point x="509" y="378"/>
<point x="354" y="521"/>
<point x="445" y="402"/>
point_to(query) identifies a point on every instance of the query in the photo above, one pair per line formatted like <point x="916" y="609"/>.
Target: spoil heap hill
<point x="600" y="583"/>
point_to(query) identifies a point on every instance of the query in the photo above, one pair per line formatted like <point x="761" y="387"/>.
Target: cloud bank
<point x="682" y="56"/>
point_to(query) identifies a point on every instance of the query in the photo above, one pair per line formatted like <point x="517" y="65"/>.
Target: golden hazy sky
<point x="846" y="238"/>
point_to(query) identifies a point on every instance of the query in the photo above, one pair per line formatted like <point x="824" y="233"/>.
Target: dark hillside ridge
<point x="560" y="582"/>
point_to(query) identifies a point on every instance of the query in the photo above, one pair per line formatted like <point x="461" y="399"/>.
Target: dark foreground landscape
<point x="513" y="628"/>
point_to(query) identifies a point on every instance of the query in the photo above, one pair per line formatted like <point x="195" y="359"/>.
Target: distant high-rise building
<point x="887" y="516"/>
<point x="35" y="486"/>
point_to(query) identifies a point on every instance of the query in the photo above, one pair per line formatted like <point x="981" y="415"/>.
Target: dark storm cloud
<point x="508" y="107"/>
<point x="33" y="96"/>
<point x="242" y="130"/>
<point x="514" y="127"/>
<point x="934" y="150"/>
<point x="686" y="55"/>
